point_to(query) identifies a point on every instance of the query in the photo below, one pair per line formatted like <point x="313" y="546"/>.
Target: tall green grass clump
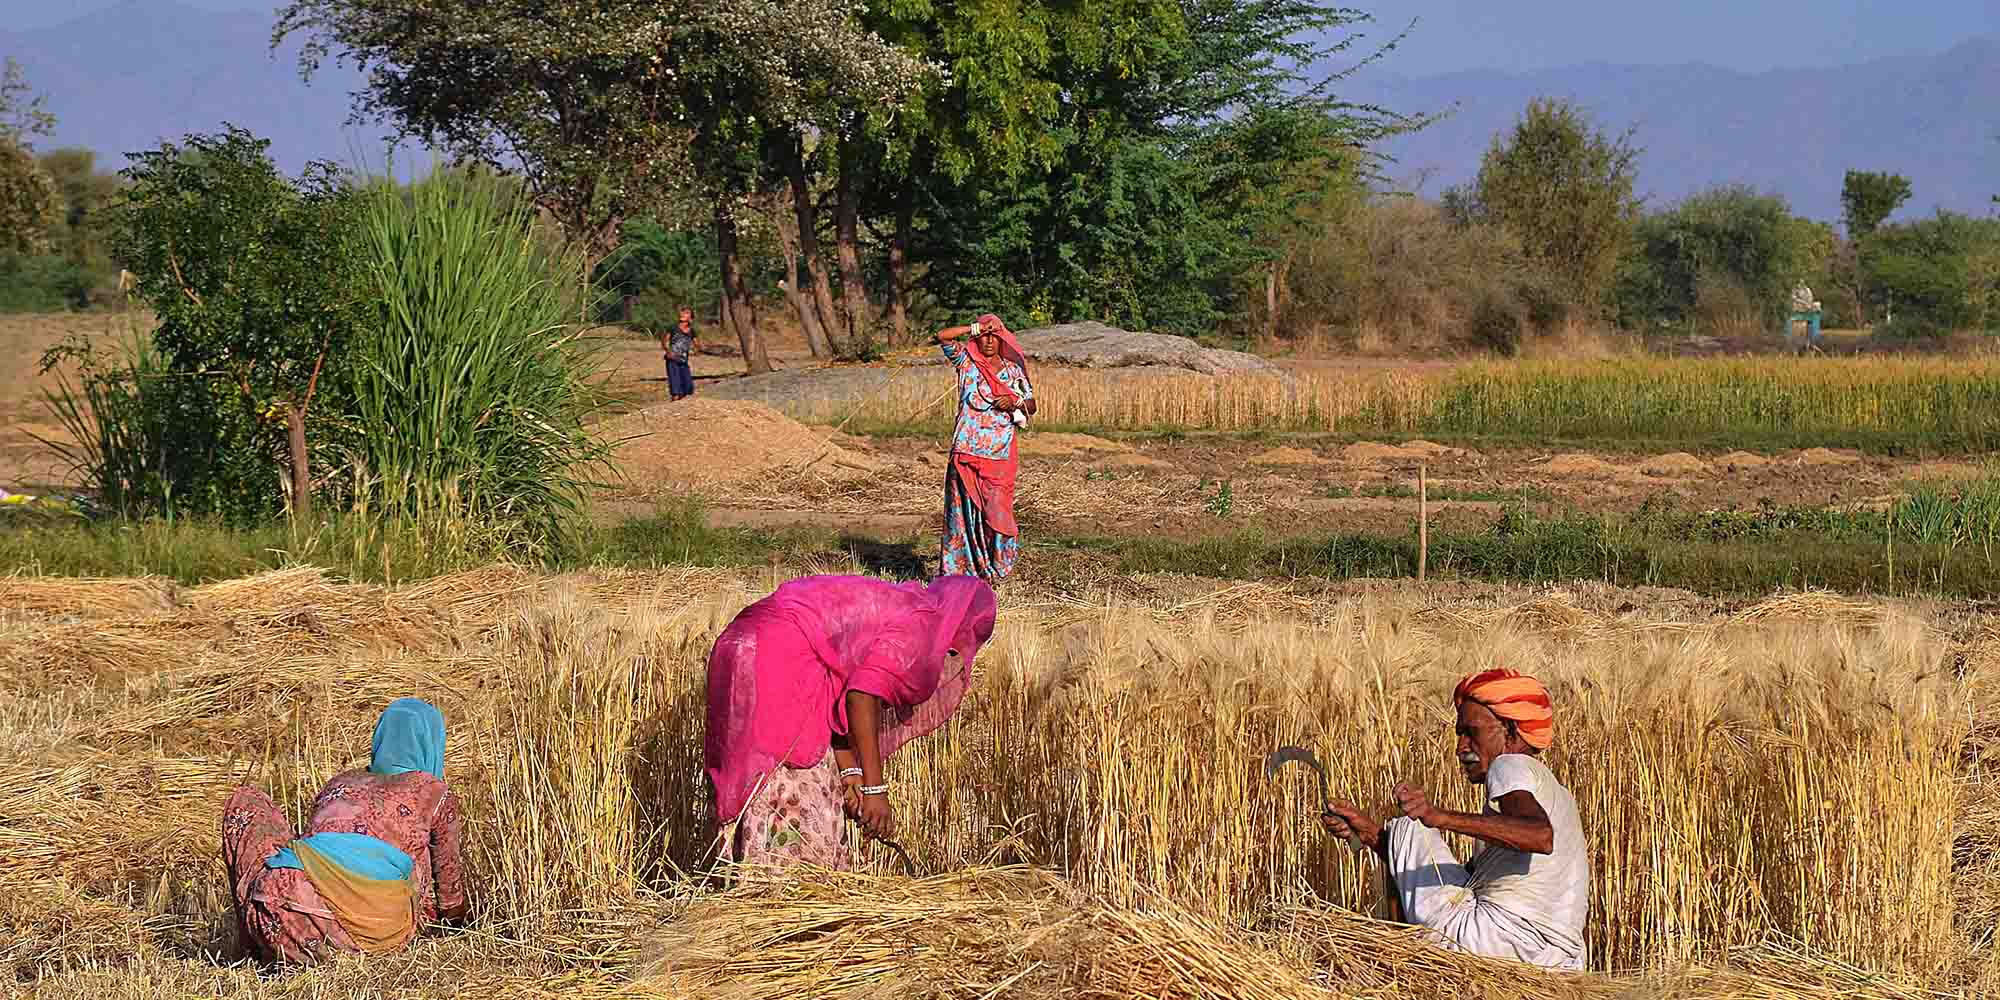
<point x="116" y="428"/>
<point x="473" y="389"/>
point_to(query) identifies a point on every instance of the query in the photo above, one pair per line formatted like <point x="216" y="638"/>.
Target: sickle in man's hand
<point x="1287" y="755"/>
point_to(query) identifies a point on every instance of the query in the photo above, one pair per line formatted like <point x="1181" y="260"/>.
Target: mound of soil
<point x="702" y="442"/>
<point x="1578" y="465"/>
<point x="1373" y="452"/>
<point x="1132" y="462"/>
<point x="1824" y="456"/>
<point x="1428" y="449"/>
<point x="1739" y="461"/>
<point x="1674" y="463"/>
<point x="1286" y="456"/>
<point x="1055" y="445"/>
<point x="1946" y="470"/>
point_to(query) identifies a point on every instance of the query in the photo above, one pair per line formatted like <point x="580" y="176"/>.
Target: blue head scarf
<point x="409" y="737"/>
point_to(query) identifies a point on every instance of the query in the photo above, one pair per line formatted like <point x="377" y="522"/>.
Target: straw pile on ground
<point x="697" y="443"/>
<point x="1794" y="800"/>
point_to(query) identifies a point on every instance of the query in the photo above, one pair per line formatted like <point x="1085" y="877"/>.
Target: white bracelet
<point x="874" y="789"/>
<point x="850" y="772"/>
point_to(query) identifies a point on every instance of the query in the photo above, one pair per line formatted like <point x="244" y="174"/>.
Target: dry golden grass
<point x="1791" y="801"/>
<point x="1956" y="401"/>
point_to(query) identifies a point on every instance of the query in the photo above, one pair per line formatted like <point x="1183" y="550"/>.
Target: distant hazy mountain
<point x="1934" y="119"/>
<point x="126" y="78"/>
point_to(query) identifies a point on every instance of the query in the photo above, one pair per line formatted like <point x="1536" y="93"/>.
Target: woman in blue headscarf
<point x="379" y="861"/>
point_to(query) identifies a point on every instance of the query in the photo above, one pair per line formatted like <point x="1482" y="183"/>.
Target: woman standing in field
<point x="994" y="398"/>
<point x="379" y="862"/>
<point x="811" y="689"/>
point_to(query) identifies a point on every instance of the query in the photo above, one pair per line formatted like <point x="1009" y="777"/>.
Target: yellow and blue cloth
<point x="366" y="880"/>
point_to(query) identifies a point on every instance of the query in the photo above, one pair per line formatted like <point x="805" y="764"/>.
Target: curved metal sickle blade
<point x="1287" y="755"/>
<point x="909" y="867"/>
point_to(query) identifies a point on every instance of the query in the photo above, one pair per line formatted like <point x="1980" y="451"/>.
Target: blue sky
<point x="1745" y="35"/>
<point x="1528" y="34"/>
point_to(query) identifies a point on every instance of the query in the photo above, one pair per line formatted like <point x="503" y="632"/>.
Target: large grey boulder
<point x="1095" y="345"/>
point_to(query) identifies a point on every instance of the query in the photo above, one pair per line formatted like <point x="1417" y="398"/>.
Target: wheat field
<point x="1935" y="402"/>
<point x="1793" y="799"/>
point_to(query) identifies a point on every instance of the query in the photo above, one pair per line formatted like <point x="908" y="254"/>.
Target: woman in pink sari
<point x="811" y="689"/>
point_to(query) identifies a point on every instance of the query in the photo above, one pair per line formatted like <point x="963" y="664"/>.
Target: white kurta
<point x="1505" y="903"/>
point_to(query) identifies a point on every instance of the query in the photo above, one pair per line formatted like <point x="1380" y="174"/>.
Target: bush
<point x="471" y="388"/>
<point x="1723" y="261"/>
<point x="663" y="270"/>
<point x="253" y="278"/>
<point x="119" y="414"/>
<point x="1943" y="271"/>
<point x="1399" y="273"/>
<point x="427" y="333"/>
<point x="1564" y="189"/>
<point x="43" y="284"/>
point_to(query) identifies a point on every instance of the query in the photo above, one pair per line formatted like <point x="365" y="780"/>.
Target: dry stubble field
<point x="1790" y="798"/>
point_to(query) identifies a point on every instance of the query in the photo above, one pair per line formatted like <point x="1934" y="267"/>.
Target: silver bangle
<point x="874" y="789"/>
<point x="850" y="772"/>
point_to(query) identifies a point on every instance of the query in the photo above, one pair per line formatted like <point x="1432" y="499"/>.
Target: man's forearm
<point x="1535" y="836"/>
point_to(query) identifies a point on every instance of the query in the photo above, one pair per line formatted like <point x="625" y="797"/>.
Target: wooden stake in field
<point x="1423" y="523"/>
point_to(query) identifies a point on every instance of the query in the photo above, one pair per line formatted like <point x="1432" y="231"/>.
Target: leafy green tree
<point x="81" y="235"/>
<point x="1565" y="189"/>
<point x="1125" y="170"/>
<point x="29" y="203"/>
<point x="257" y="285"/>
<point x="662" y="269"/>
<point x="1867" y="199"/>
<point x="1938" y="272"/>
<point x="607" y="108"/>
<point x="1748" y="241"/>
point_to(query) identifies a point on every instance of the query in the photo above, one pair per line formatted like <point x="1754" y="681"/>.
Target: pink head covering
<point x="779" y="674"/>
<point x="1009" y="347"/>
<point x="989" y="368"/>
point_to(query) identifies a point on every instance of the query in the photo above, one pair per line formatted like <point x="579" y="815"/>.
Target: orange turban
<point x="1517" y="698"/>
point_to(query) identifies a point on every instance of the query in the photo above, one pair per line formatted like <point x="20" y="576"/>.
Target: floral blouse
<point x="413" y="811"/>
<point x="983" y="432"/>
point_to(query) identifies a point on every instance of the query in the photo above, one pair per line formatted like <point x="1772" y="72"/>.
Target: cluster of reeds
<point x="1920" y="402"/>
<point x="472" y="392"/>
<point x="1808" y="771"/>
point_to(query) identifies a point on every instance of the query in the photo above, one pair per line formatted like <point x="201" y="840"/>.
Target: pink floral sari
<point x="777" y="684"/>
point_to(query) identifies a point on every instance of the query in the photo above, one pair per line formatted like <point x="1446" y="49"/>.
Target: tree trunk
<point x="847" y="232"/>
<point x="738" y="310"/>
<point x="295" y="439"/>
<point x="1271" y="304"/>
<point x="788" y="244"/>
<point x="899" y="265"/>
<point x="808" y="222"/>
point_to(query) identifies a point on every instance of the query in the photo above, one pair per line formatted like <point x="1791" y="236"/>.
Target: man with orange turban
<point x="1523" y="897"/>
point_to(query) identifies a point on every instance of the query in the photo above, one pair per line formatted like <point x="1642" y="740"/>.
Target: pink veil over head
<point x="780" y="673"/>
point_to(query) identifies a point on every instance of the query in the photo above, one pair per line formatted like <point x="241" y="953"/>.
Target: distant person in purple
<point x="678" y="342"/>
